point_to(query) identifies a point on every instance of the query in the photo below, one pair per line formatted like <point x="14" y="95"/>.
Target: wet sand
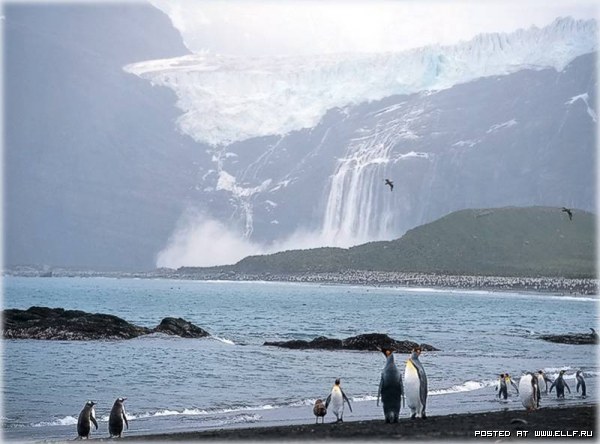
<point x="564" y="423"/>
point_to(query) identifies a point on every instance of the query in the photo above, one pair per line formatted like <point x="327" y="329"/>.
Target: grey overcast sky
<point x="267" y="27"/>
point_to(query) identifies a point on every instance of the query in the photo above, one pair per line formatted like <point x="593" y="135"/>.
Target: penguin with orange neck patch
<point x="390" y="388"/>
<point x="415" y="384"/>
<point x="336" y="398"/>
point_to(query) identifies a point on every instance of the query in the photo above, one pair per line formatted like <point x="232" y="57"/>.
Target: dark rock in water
<point x="365" y="342"/>
<point x="326" y="343"/>
<point x="61" y="324"/>
<point x="76" y="325"/>
<point x="318" y="343"/>
<point x="180" y="327"/>
<point x="572" y="338"/>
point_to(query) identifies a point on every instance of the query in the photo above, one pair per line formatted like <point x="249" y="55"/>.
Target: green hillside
<point x="533" y="241"/>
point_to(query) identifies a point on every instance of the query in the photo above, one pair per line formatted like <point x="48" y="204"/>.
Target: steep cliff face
<point x="90" y="151"/>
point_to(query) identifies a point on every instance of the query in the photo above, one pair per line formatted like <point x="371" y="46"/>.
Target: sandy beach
<point x="578" y="422"/>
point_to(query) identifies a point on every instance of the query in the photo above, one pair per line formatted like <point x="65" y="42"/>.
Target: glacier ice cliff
<point x="225" y="99"/>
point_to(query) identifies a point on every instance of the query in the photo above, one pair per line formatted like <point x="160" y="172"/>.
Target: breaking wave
<point x="223" y="340"/>
<point x="467" y="386"/>
<point x="67" y="420"/>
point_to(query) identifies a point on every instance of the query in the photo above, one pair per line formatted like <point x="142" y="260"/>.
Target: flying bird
<point x="390" y="183"/>
<point x="569" y="212"/>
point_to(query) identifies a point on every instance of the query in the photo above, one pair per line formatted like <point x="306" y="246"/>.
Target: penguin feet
<point x="413" y="416"/>
<point x="423" y="416"/>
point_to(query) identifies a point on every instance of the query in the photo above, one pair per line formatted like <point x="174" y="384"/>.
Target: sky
<point x="276" y="27"/>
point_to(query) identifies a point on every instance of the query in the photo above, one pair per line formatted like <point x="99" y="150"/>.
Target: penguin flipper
<point x="552" y="386"/>
<point x="423" y="392"/>
<point x="578" y="385"/>
<point x="402" y="394"/>
<point x="327" y="401"/>
<point x="422" y="383"/>
<point x="94" y="421"/>
<point x="347" y="400"/>
<point x="125" y="419"/>
<point x="567" y="386"/>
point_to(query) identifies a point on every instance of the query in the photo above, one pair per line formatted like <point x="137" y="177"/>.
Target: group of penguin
<point x="414" y="390"/>
<point x="391" y="391"/>
<point x="530" y="384"/>
<point x="116" y="420"/>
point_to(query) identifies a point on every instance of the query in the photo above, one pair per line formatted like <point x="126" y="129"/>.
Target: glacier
<point x="298" y="147"/>
<point x="226" y="99"/>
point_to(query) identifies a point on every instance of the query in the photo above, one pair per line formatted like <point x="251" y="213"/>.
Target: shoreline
<point x="560" y="286"/>
<point x="561" y="422"/>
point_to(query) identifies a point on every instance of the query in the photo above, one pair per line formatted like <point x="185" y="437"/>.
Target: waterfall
<point x="360" y="207"/>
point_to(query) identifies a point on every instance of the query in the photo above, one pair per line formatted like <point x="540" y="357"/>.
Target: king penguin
<point x="416" y="385"/>
<point x="86" y="418"/>
<point x="529" y="391"/>
<point x="116" y="418"/>
<point x="580" y="383"/>
<point x="501" y="387"/>
<point x="511" y="382"/>
<point x="336" y="398"/>
<point x="543" y="381"/>
<point x="560" y="385"/>
<point x="390" y="388"/>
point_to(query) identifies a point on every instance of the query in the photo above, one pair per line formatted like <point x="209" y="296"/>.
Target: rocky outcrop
<point x="572" y="338"/>
<point x="76" y="325"/>
<point x="180" y="327"/>
<point x="365" y="342"/>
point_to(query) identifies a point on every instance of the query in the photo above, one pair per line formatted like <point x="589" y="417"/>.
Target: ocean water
<point x="232" y="380"/>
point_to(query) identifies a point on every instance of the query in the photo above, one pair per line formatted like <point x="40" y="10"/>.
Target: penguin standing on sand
<point x="501" y="388"/>
<point x="85" y="420"/>
<point x="529" y="391"/>
<point x="320" y="410"/>
<point x="390" y="388"/>
<point x="560" y="385"/>
<point x="337" y="398"/>
<point x="580" y="383"/>
<point x="543" y="380"/>
<point x="415" y="381"/>
<point x="116" y="418"/>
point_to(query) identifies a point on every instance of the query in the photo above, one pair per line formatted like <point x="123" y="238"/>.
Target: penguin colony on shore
<point x="534" y="385"/>
<point x="392" y="392"/>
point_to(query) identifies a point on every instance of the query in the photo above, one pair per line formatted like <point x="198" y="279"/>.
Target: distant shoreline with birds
<point x="541" y="284"/>
<point x="552" y="422"/>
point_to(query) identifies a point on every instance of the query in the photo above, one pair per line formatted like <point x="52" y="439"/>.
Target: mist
<point x="201" y="241"/>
